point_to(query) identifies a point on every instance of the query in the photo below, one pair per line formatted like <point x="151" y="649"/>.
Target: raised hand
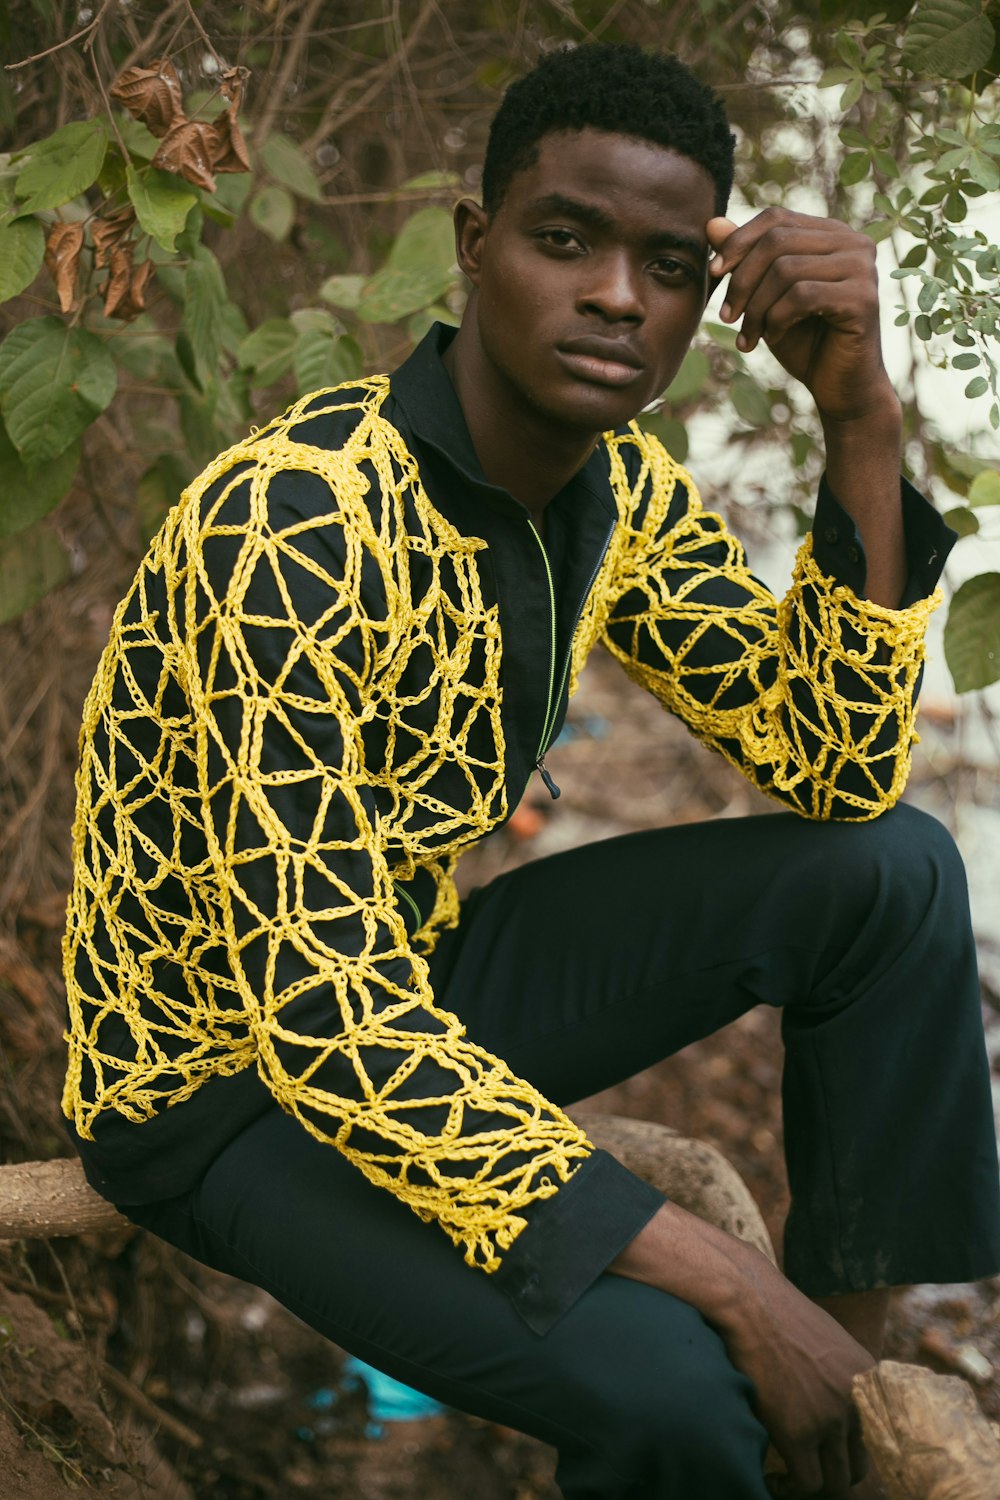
<point x="807" y="288"/>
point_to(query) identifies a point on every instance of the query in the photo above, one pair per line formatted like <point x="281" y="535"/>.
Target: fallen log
<point x="927" y="1438"/>
<point x="49" y="1199"/>
<point x="926" y="1435"/>
<point x="690" y="1173"/>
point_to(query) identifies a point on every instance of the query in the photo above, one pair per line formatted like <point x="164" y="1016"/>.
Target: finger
<point x="769" y="274"/>
<point x="733" y="244"/>
<point x="857" y="1453"/>
<point x="836" y="1466"/>
<point x="783" y="256"/>
<point x="835" y="302"/>
<point x="805" y="1472"/>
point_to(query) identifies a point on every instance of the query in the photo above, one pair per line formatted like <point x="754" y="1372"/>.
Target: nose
<point x="612" y="288"/>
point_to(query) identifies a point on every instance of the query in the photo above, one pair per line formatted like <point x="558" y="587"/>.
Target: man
<point x="338" y="666"/>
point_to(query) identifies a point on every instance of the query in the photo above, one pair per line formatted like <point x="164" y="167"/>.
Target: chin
<point x="592" y="408"/>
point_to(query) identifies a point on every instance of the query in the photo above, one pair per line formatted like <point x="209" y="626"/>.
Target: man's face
<point x="591" y="277"/>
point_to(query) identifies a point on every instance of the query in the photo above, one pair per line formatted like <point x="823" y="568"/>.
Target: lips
<point x="601" y="361"/>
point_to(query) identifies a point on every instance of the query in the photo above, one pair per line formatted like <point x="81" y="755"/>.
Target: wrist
<point x="877" y="417"/>
<point x="702" y="1265"/>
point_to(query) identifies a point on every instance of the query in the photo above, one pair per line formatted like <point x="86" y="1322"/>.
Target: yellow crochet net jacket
<point x="300" y="709"/>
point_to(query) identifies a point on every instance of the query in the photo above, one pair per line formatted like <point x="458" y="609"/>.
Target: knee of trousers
<point x="907" y="865"/>
<point x="664" y="1423"/>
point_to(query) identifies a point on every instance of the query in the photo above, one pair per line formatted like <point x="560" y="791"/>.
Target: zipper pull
<point x="551" y="787"/>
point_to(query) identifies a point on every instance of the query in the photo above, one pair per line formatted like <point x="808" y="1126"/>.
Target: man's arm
<point x="807" y="288"/>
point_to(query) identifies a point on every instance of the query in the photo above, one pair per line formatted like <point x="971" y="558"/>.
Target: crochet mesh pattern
<point x="237" y="847"/>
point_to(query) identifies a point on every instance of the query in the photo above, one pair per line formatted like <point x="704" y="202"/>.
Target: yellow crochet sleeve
<point x="234" y="903"/>
<point x="812" y="697"/>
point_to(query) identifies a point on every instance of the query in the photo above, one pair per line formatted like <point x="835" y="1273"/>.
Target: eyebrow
<point x="590" y="214"/>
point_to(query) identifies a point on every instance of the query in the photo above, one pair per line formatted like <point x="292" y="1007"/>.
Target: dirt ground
<point x="126" y="1370"/>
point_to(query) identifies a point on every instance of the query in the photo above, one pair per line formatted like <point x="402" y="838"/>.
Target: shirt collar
<point x="423" y="388"/>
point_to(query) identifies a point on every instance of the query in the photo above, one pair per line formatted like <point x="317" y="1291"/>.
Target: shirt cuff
<point x="572" y="1237"/>
<point x="840" y="553"/>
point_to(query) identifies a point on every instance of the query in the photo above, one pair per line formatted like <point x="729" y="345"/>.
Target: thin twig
<point x="68" y="42"/>
<point x="286" y="72"/>
<point x="107" y="105"/>
<point x="204" y="34"/>
<point x="149" y="1408"/>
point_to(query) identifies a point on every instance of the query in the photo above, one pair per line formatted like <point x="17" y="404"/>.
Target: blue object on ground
<point x="389" y="1400"/>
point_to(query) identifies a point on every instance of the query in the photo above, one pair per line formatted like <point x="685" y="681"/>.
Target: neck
<point x="519" y="448"/>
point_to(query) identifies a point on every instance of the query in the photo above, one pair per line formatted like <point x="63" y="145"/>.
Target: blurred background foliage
<point x="206" y="209"/>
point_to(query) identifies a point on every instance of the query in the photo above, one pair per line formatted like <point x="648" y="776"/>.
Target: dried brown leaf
<point x="134" y="301"/>
<point x="125" y="291"/>
<point x="63" y="245"/>
<point x="232" y="84"/>
<point x="228" y="149"/>
<point x="109" y="230"/>
<point x="187" y="150"/>
<point x="117" y="285"/>
<point x="152" y="95"/>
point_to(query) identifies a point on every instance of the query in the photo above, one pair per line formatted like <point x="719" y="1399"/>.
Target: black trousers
<point x="580" y="970"/>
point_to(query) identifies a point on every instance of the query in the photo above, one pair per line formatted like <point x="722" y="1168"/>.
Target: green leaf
<point x="750" y="401"/>
<point x="721" y="334"/>
<point x="322" y="360"/>
<point x="289" y="166"/>
<point x="965" y="361"/>
<point x="420" y="323"/>
<point x="961" y="520"/>
<point x="394" y="293"/>
<point x="915" y="256"/>
<point x="272" y="209"/>
<point x="671" y="433"/>
<point x="690" y="378"/>
<point x="977" y="387"/>
<point x="927" y="296"/>
<point x="426" y="241"/>
<point x="922" y="326"/>
<point x="450" y="180"/>
<point x="972" y="633"/>
<point x="343" y="291"/>
<point x="28" y="494"/>
<point x="851" y="94"/>
<point x="161" y="204"/>
<point x="984" y="170"/>
<point x="22" y="248"/>
<point x="32" y="563"/>
<point x="204" y="299"/>
<point x="159" y="489"/>
<point x="61" y="167"/>
<point x="304" y="319"/>
<point x="854" y="167"/>
<point x="268" y="351"/>
<point x="802" y="446"/>
<point x="948" y="38"/>
<point x="886" y="163"/>
<point x="54" y="381"/>
<point x="985" y="488"/>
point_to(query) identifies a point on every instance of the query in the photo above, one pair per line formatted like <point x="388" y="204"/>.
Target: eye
<point x="560" y="239"/>
<point x="667" y="268"/>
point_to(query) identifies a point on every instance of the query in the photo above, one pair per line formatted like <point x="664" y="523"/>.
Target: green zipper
<point x="554" y="700"/>
<point x="400" y="891"/>
<point x="549" y="711"/>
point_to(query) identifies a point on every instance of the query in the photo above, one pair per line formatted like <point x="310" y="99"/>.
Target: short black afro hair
<point x="612" y="87"/>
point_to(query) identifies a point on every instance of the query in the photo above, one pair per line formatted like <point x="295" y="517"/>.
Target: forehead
<point x="622" y="174"/>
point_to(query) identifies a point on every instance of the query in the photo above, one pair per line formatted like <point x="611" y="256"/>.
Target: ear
<point x="471" y="225"/>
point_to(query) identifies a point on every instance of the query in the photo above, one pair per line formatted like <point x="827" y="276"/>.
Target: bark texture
<point x="926" y="1435"/>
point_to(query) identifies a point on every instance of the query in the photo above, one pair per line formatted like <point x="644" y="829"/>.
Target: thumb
<point x="718" y="231"/>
